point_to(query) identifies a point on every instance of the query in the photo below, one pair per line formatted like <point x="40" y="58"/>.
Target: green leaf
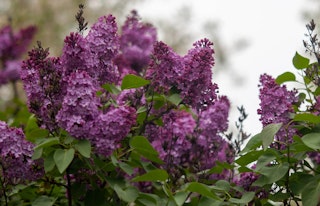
<point x="264" y="160"/>
<point x="300" y="62"/>
<point x="223" y="184"/>
<point x="37" y="153"/>
<point x="132" y="81"/>
<point x="49" y="163"/>
<point x="128" y="195"/>
<point x="271" y="174"/>
<point x="254" y="142"/>
<point x="201" y="189"/>
<point x="249" y="157"/>
<point x="307" y="117"/>
<point x="83" y="147"/>
<point x="312" y="140"/>
<point x="285" y="77"/>
<point x="111" y="88"/>
<point x="141" y="109"/>
<point x="175" y="99"/>
<point x="47" y="142"/>
<point x="268" y="133"/>
<point x="180" y="197"/>
<point x="153" y="176"/>
<point x="245" y="198"/>
<point x="44" y="201"/>
<point x="127" y="168"/>
<point x="311" y="194"/>
<point x="143" y="147"/>
<point x="63" y="158"/>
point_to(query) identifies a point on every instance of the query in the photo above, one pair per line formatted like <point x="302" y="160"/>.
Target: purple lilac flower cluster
<point x="183" y="142"/>
<point x="42" y="83"/>
<point x="16" y="165"/>
<point x="12" y="46"/>
<point x="62" y="91"/>
<point x="190" y="74"/>
<point x="275" y="107"/>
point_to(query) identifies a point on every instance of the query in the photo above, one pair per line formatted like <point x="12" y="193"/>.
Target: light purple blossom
<point x="275" y="107"/>
<point x="41" y="77"/>
<point x="196" y="85"/>
<point x="165" y="69"/>
<point x="136" y="42"/>
<point x="104" y="45"/>
<point x="16" y="165"/>
<point x="80" y="105"/>
<point x="111" y="128"/>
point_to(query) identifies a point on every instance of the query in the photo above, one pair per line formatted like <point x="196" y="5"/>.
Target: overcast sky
<point x="274" y="30"/>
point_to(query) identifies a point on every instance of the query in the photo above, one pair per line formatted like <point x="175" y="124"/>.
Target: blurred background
<point x="250" y="37"/>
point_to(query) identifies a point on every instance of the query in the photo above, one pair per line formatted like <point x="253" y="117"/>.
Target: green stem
<point x="69" y="194"/>
<point x="3" y="189"/>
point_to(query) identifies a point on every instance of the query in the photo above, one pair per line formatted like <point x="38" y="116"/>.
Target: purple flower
<point x="214" y="119"/>
<point x="165" y="69"/>
<point x="103" y="43"/>
<point x="12" y="46"/>
<point x="111" y="128"/>
<point x="11" y="71"/>
<point x="16" y="164"/>
<point x="275" y="107"/>
<point x="196" y="85"/>
<point x="80" y="106"/>
<point x="41" y="77"/>
<point x="76" y="56"/>
<point x="173" y="139"/>
<point x="191" y="75"/>
<point x="136" y="42"/>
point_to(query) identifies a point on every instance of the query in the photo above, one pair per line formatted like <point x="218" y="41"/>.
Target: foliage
<point x="122" y="119"/>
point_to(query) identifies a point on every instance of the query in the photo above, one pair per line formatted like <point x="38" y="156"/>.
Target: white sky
<point x="274" y="30"/>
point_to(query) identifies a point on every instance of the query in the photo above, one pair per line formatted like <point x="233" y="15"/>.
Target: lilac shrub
<point x="108" y="89"/>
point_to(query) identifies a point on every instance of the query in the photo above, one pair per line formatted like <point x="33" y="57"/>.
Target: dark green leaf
<point x="245" y="198"/>
<point x="271" y="174"/>
<point x="141" y="109"/>
<point x="47" y="142"/>
<point x="180" y="197"/>
<point x="300" y="62"/>
<point x="143" y="147"/>
<point x="83" y="147"/>
<point x="132" y="81"/>
<point x="254" y="142"/>
<point x="44" y="201"/>
<point x="201" y="189"/>
<point x="285" y="77"/>
<point x="249" y="157"/>
<point x="311" y="193"/>
<point x="153" y="175"/>
<point x="128" y="195"/>
<point x="223" y="184"/>
<point x="268" y="133"/>
<point x="127" y="168"/>
<point x="111" y="88"/>
<point x="264" y="160"/>
<point x="37" y="154"/>
<point x="175" y="99"/>
<point x="312" y="140"/>
<point x="307" y="117"/>
<point x="63" y="158"/>
<point x="49" y="162"/>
